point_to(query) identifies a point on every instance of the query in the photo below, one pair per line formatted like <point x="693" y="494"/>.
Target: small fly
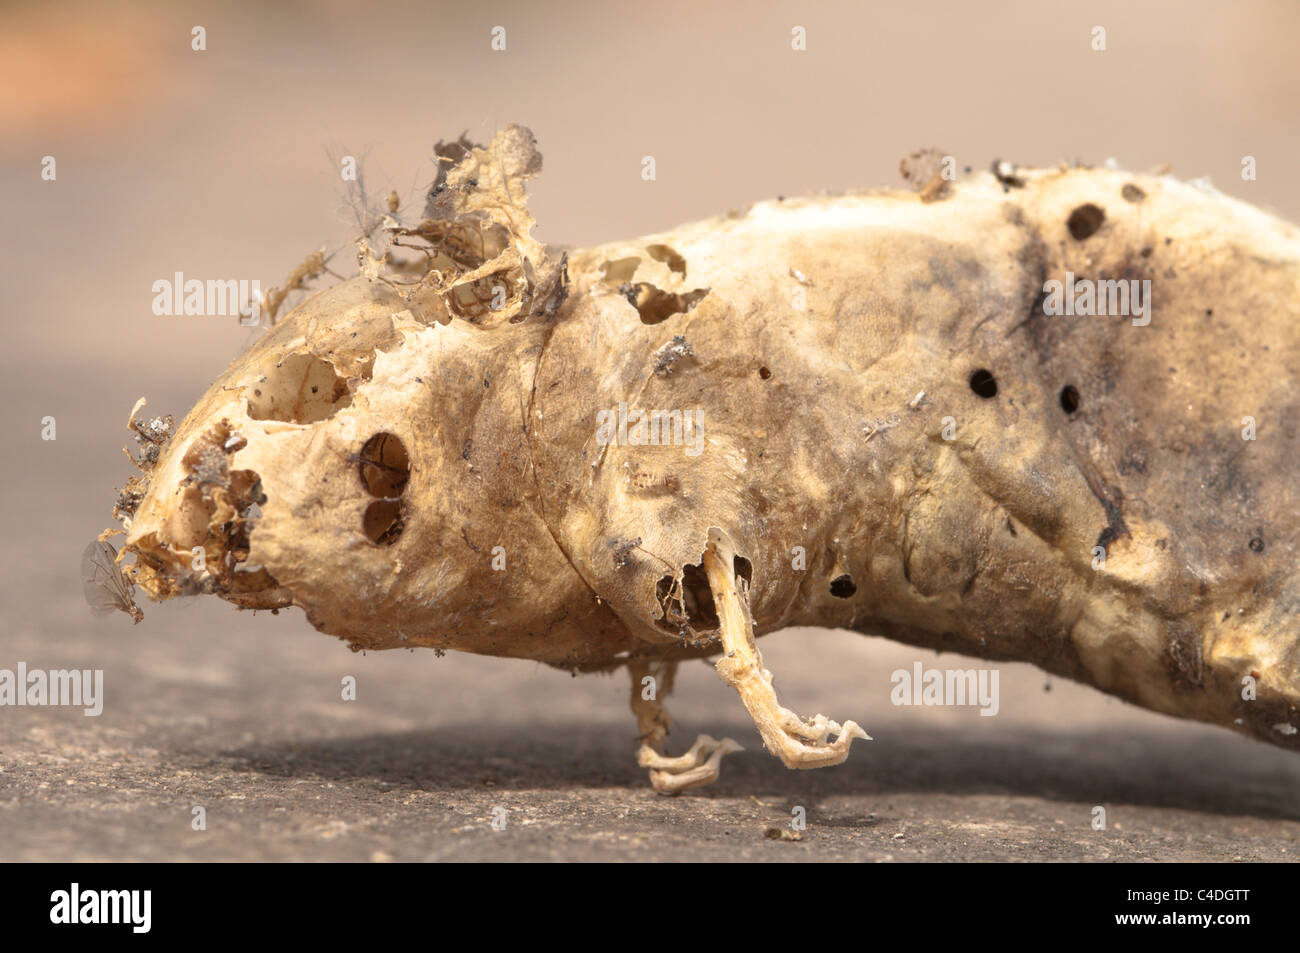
<point x="103" y="583"/>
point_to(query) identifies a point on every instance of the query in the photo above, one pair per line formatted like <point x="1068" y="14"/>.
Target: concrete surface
<point x="243" y="716"/>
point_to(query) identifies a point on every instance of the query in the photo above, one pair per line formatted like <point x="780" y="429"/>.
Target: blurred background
<point x="223" y="163"/>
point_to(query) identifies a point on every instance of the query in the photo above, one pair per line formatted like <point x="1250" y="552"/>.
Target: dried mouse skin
<point x="409" y="475"/>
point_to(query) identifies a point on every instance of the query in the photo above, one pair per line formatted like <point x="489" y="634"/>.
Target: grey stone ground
<point x="242" y="715"/>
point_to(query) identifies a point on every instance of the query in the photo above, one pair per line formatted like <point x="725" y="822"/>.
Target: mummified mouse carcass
<point x="1047" y="416"/>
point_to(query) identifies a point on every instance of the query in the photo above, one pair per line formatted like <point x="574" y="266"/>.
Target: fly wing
<point x="102" y="582"/>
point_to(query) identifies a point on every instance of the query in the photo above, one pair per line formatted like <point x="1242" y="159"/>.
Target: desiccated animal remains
<point x="1047" y="417"/>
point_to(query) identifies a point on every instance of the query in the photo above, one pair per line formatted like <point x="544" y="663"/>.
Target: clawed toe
<point x="795" y="752"/>
<point x="698" y="766"/>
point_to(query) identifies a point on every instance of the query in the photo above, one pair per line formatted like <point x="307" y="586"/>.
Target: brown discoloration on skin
<point x="982" y="543"/>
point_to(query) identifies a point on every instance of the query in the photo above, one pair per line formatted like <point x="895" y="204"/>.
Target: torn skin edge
<point x="481" y="262"/>
<point x="685" y="597"/>
<point x="221" y="505"/>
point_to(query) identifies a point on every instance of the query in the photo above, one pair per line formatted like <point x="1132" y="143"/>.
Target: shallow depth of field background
<point x="217" y="164"/>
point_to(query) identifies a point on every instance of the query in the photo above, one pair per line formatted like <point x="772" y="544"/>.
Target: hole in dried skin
<point x="743" y="569"/>
<point x="764" y="373"/>
<point x="300" y="389"/>
<point x="690" y="603"/>
<point x="1069" y="398"/>
<point x="984" y="383"/>
<point x="383" y="521"/>
<point x="1084" y="221"/>
<point x="665" y="594"/>
<point x="619" y="270"/>
<point x="385" y="466"/>
<point x="697" y="599"/>
<point x="675" y="262"/>
<point x="655" y="305"/>
<point x="843" y="587"/>
<point x="246" y="496"/>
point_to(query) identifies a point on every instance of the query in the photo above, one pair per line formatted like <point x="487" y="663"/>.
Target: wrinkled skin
<point x="821" y="322"/>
